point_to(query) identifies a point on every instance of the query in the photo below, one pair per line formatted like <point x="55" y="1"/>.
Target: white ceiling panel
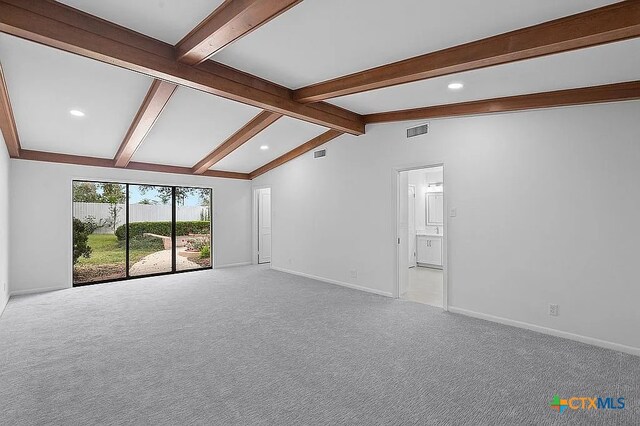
<point x="166" y="20"/>
<point x="323" y="39"/>
<point x="281" y="137"/>
<point x="45" y="84"/>
<point x="192" y="124"/>
<point x="610" y="63"/>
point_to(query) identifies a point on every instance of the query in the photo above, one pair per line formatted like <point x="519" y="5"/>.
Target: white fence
<point x="137" y="213"/>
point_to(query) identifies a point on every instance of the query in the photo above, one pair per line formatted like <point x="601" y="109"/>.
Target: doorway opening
<point x="421" y="229"/>
<point x="263" y="216"/>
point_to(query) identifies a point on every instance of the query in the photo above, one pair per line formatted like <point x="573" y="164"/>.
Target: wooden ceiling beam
<point x="154" y="102"/>
<point x="296" y="152"/>
<point x="52" y="157"/>
<point x="7" y="121"/>
<point x="235" y="141"/>
<point x="232" y="20"/>
<point x="185" y="170"/>
<point x="616" y="22"/>
<point x="570" y="97"/>
<point x="59" y="26"/>
<point x="80" y="20"/>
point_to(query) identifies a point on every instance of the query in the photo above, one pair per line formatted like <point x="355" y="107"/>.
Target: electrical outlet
<point x="453" y="213"/>
<point x="290" y="261"/>
<point x="353" y="273"/>
<point x="553" y="310"/>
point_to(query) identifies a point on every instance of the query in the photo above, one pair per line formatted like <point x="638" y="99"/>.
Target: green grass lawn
<point x="107" y="250"/>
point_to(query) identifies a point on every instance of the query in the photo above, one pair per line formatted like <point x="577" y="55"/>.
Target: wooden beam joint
<point x="229" y="22"/>
<point x="154" y="102"/>
<point x="296" y="152"/>
<point x="239" y="138"/>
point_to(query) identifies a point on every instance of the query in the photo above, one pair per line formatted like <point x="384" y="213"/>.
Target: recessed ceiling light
<point x="455" y="86"/>
<point x="76" y="113"/>
<point x="264" y="147"/>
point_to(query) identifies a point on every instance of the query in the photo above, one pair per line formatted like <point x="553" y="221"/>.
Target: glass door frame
<point x="174" y="249"/>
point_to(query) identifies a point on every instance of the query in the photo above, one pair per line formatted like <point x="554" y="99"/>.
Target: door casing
<point x="401" y="234"/>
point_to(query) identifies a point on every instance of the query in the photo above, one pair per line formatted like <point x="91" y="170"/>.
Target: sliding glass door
<point x="123" y="231"/>
<point x="193" y="241"/>
<point x="150" y="230"/>
<point x="99" y="252"/>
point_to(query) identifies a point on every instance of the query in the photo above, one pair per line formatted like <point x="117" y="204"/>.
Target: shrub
<point x="80" y="240"/>
<point x="141" y="242"/>
<point x="91" y="224"/>
<point x="136" y="229"/>
<point x="196" y="244"/>
<point x="205" y="252"/>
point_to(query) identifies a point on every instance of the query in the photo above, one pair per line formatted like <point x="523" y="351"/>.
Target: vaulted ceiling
<point x="173" y="86"/>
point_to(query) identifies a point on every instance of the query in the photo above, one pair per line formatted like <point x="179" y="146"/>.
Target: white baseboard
<point x="330" y="281"/>
<point x="36" y="290"/>
<point x="3" y="304"/>
<point x="550" y="331"/>
<point x="232" y="265"/>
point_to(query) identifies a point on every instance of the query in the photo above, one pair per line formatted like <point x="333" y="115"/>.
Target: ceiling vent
<point x="320" y="153"/>
<point x="417" y="131"/>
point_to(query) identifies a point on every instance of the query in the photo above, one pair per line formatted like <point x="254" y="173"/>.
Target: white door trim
<point x="445" y="256"/>
<point x="414" y="261"/>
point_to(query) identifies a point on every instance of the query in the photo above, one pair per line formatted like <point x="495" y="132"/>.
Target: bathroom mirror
<point x="434" y="203"/>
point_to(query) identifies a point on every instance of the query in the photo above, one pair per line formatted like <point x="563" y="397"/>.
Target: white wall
<point x="4" y="225"/>
<point x="547" y="212"/>
<point x="41" y="218"/>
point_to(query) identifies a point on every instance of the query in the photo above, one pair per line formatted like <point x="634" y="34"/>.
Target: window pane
<point x="193" y="228"/>
<point x="150" y="233"/>
<point x="99" y="252"/>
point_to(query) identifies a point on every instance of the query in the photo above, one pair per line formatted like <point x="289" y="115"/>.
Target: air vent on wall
<point x="417" y="131"/>
<point x="320" y="153"/>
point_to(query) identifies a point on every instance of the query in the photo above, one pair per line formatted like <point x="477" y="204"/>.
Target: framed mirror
<point x="434" y="203"/>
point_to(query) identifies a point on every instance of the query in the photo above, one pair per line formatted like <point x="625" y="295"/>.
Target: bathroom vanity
<point x="429" y="250"/>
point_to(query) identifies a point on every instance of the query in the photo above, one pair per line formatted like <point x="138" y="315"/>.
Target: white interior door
<point x="411" y="237"/>
<point x="264" y="226"/>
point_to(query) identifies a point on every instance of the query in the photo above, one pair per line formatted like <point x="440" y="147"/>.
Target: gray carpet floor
<point x="255" y="346"/>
